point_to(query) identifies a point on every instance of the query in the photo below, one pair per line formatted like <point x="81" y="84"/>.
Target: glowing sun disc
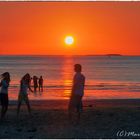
<point x="69" y="40"/>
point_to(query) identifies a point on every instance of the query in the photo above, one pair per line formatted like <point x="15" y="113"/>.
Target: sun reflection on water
<point x="67" y="73"/>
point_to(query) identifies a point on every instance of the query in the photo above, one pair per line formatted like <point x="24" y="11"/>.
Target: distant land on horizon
<point x="114" y="55"/>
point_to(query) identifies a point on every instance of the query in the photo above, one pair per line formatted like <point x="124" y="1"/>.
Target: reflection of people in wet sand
<point x="4" y="84"/>
<point x="77" y="92"/>
<point x="23" y="95"/>
<point x="40" y="83"/>
<point x="35" y="82"/>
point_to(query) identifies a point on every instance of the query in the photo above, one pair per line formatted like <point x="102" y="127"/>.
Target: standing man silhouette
<point x="77" y="93"/>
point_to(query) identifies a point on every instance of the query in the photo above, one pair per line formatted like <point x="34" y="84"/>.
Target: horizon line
<point x="68" y="55"/>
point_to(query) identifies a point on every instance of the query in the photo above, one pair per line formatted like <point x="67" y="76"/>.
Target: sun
<point x="69" y="40"/>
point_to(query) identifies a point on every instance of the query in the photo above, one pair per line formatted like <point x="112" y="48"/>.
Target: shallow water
<point x="114" y="77"/>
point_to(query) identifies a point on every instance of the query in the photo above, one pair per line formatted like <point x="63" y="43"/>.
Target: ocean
<point x="114" y="77"/>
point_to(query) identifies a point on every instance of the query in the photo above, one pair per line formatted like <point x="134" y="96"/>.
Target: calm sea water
<point x="106" y="77"/>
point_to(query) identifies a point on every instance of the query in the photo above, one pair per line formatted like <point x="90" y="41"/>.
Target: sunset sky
<point x="97" y="28"/>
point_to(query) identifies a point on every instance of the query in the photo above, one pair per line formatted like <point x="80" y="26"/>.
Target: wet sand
<point x="100" y="119"/>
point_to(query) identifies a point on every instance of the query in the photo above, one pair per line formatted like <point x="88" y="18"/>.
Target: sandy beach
<point x="100" y="119"/>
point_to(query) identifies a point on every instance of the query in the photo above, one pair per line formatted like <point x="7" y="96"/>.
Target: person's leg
<point x="78" y="115"/>
<point x="19" y="104"/>
<point x="72" y="106"/>
<point x="39" y="87"/>
<point x="2" y="106"/>
<point x="34" y="88"/>
<point x="42" y="88"/>
<point x="5" y="104"/>
<point x="79" y="108"/>
<point x="28" y="104"/>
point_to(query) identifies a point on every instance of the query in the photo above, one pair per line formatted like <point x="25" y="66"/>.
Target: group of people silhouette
<point x="37" y="82"/>
<point x="75" y="103"/>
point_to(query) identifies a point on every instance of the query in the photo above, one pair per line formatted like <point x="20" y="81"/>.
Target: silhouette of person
<point x="40" y="83"/>
<point x="4" y="84"/>
<point x="77" y="93"/>
<point x="23" y="95"/>
<point x="35" y="81"/>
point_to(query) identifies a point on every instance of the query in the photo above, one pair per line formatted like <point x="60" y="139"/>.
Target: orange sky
<point x="98" y="27"/>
